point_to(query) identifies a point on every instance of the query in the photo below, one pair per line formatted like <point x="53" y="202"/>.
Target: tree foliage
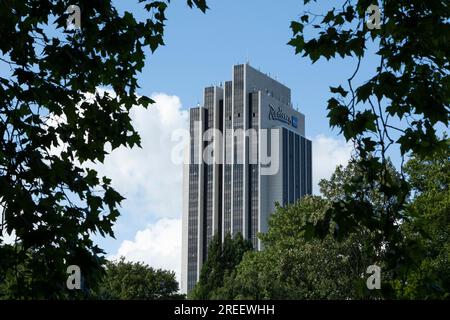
<point x="54" y="120"/>
<point x="298" y="264"/>
<point x="427" y="231"/>
<point x="411" y="81"/>
<point x="222" y="260"/>
<point x="137" y="281"/>
<point x="295" y="264"/>
<point x="403" y="104"/>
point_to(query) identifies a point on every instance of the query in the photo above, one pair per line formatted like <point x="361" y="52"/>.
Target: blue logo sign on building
<point x="279" y="115"/>
<point x="294" y="122"/>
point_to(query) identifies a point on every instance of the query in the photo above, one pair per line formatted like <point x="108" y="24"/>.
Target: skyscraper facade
<point x="247" y="151"/>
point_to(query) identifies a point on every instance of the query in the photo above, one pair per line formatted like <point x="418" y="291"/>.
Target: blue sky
<point x="201" y="49"/>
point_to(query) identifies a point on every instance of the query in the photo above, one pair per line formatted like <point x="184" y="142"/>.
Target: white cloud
<point x="328" y="152"/>
<point x="159" y="245"/>
<point x="8" y="238"/>
<point x="149" y="180"/>
<point x="152" y="185"/>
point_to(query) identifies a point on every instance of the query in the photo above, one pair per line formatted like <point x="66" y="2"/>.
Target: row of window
<point x="297" y="168"/>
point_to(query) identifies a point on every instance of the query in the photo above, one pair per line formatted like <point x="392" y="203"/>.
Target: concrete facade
<point x="257" y="154"/>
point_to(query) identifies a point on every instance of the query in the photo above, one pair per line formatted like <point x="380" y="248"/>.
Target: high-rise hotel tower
<point x="247" y="151"/>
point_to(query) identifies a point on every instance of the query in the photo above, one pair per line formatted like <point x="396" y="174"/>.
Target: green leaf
<point x="201" y="4"/>
<point x="364" y="92"/>
<point x="339" y="90"/>
<point x="296" y="27"/>
<point x="298" y="43"/>
<point x="145" y="101"/>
